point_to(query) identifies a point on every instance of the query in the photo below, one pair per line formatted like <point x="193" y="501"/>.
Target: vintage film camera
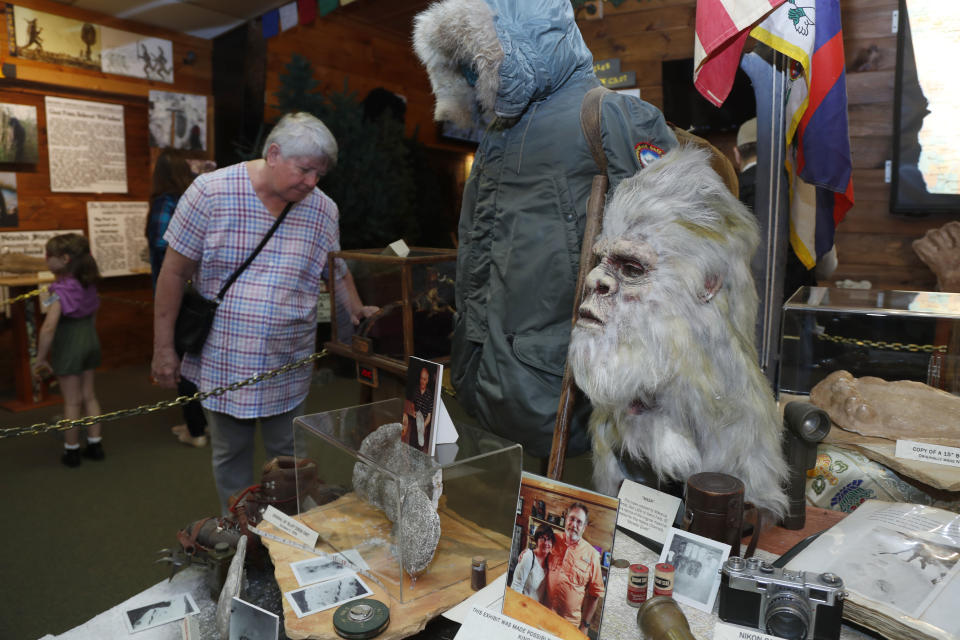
<point x="795" y="605"/>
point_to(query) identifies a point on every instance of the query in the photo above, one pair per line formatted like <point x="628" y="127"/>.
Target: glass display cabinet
<point x="471" y="486"/>
<point x="416" y="299"/>
<point x="894" y="335"/>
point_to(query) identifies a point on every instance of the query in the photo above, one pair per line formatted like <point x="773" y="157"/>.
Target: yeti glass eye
<point x="632" y="269"/>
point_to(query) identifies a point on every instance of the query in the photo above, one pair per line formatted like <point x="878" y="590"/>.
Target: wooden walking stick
<point x="590" y="123"/>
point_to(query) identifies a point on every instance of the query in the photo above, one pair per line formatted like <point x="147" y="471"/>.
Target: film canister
<point x="361" y="619"/>
<point x="478" y="573"/>
<point x="663" y="579"/>
<point x="637" y="585"/>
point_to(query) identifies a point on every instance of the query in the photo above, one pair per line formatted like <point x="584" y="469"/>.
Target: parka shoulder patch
<point x="647" y="152"/>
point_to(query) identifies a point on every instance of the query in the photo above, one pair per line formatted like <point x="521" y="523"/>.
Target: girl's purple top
<point x="76" y="301"/>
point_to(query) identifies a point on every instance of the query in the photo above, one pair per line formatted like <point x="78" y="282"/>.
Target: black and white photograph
<point x="178" y="120"/>
<point x="324" y="595"/>
<point x="902" y="571"/>
<point x="8" y="200"/>
<point x="157" y="613"/>
<point x="250" y="622"/>
<point x="696" y="561"/>
<point x="18" y="133"/>
<point x="318" y="569"/>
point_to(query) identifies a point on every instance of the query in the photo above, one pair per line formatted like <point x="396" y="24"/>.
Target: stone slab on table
<point x="351" y="523"/>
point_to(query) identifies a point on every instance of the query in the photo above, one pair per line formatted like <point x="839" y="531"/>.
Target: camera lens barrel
<point x="787" y="616"/>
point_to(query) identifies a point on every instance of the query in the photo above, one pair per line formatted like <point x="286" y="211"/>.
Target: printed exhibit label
<point x="924" y="452"/>
<point x="646" y="511"/>
<point x="292" y="527"/>
<point x="484" y="624"/>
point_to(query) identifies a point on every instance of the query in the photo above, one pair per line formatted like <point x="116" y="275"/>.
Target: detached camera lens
<point x="787" y="617"/>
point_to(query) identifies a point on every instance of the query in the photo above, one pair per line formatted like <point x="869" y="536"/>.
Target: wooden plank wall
<point x="125" y="320"/>
<point x="872" y="244"/>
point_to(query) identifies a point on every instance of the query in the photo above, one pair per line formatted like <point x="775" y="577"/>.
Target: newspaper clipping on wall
<point x="117" y="239"/>
<point x="86" y="145"/>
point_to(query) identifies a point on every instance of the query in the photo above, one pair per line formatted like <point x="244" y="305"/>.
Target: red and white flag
<point x="722" y="28"/>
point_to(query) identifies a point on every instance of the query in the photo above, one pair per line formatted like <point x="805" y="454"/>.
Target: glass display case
<point x="894" y="335"/>
<point x="471" y="488"/>
<point x="416" y="299"/>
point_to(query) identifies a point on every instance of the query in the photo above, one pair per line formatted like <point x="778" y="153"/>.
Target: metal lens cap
<point x="361" y="619"/>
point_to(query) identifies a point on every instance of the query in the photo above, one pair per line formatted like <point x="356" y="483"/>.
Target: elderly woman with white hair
<point x="267" y="317"/>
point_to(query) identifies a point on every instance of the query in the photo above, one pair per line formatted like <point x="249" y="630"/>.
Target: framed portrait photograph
<point x="421" y="405"/>
<point x="558" y="577"/>
<point x="696" y="561"/>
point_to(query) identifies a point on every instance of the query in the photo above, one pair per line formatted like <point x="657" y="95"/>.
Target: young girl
<point x="69" y="330"/>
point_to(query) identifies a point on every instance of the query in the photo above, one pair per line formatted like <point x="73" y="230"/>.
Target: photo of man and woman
<point x="559" y="562"/>
<point x="420" y="406"/>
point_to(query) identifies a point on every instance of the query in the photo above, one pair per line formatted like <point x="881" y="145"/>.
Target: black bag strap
<point x="246" y="263"/>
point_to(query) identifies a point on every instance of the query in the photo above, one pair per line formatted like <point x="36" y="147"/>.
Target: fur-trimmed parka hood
<point x="514" y="52"/>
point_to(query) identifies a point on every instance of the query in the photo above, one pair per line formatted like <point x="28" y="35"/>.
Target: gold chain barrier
<point x="63" y="425"/>
<point x="881" y="344"/>
<point x="23" y="296"/>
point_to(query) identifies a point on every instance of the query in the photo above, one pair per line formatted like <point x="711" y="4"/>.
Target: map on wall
<point x="36" y="35"/>
<point x="86" y="146"/>
<point x="178" y="120"/>
<point x="130" y="54"/>
<point x="117" y="241"/>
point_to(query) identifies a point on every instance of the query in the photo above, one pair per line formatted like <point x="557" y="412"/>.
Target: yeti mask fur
<point x="664" y="342"/>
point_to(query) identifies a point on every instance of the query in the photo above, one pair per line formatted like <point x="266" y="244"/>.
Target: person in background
<point x="267" y="318"/>
<point x="530" y="575"/>
<point x="171" y="177"/>
<point x="796" y="275"/>
<point x="69" y="332"/>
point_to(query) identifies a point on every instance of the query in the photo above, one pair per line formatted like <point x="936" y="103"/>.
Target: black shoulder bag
<point x="196" y="312"/>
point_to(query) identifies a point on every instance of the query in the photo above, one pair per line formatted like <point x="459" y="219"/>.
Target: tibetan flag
<point x="288" y="16"/>
<point x="307" y="10"/>
<point x="722" y="28"/>
<point x="270" y="23"/>
<point x="326" y="6"/>
<point x="821" y="170"/>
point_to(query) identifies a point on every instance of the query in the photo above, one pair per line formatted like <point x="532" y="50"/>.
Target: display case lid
<point x="876" y="302"/>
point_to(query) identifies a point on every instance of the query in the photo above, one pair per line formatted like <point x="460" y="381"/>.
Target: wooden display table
<point x="22" y="374"/>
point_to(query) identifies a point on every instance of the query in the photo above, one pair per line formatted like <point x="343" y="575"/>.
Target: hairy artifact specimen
<point x="663" y="346"/>
<point x="893" y="410"/>
<point x="409" y="497"/>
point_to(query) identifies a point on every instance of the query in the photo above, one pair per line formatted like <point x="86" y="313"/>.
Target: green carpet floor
<point x="75" y="542"/>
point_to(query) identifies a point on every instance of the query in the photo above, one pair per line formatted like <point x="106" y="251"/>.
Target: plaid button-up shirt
<point x="268" y="316"/>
